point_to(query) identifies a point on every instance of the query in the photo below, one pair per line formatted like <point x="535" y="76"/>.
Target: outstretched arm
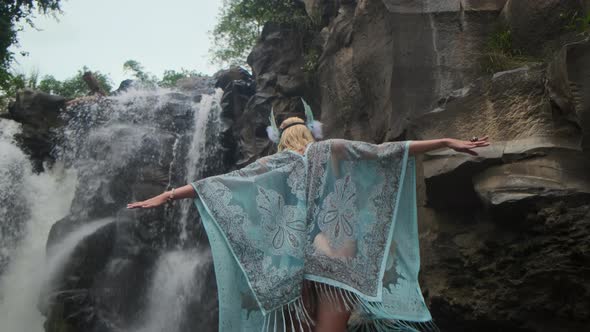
<point x="417" y="147"/>
<point x="186" y="191"/>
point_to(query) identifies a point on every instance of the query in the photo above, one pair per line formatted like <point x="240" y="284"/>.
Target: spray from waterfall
<point x="48" y="197"/>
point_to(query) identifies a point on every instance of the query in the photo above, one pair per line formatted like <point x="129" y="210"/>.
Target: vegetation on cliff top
<point x="240" y="24"/>
<point x="75" y="86"/>
<point x="168" y="79"/>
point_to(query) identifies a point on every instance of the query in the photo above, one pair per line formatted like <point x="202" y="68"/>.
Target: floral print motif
<point x="284" y="223"/>
<point x="338" y="213"/>
<point x="295" y="181"/>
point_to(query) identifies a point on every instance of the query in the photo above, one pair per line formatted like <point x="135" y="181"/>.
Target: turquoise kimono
<point x="342" y="216"/>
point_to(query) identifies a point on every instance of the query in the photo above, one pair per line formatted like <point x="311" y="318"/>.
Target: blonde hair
<point x="295" y="138"/>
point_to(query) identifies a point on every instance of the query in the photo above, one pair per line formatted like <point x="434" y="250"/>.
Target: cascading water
<point x="175" y="283"/>
<point x="111" y="264"/>
<point x="13" y="167"/>
<point x="42" y="199"/>
<point x="201" y="149"/>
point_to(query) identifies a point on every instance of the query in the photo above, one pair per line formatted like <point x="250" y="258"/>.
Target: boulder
<point x="38" y="112"/>
<point x="224" y="77"/>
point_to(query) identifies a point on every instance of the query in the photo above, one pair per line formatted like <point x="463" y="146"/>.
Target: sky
<point x="102" y="35"/>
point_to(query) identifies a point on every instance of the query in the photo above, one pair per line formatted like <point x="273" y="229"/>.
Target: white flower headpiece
<point x="274" y="133"/>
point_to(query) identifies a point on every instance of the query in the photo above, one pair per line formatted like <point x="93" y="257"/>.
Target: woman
<point x="320" y="236"/>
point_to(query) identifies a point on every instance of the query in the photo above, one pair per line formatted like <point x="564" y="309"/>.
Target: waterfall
<point x="201" y="149"/>
<point x="47" y="197"/>
<point x="178" y="278"/>
<point x="109" y="152"/>
<point x="176" y="283"/>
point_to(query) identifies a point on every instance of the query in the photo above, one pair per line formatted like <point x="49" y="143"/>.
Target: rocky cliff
<point x="504" y="235"/>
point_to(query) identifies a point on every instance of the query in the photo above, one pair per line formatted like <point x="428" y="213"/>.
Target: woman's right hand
<point x="150" y="203"/>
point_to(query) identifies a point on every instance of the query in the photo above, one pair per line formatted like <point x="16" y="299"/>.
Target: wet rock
<point x="127" y="148"/>
<point x="224" y="77"/>
<point x="38" y="112"/>
<point x="105" y="279"/>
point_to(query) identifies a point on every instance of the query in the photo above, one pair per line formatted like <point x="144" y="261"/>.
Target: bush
<point x="500" y="54"/>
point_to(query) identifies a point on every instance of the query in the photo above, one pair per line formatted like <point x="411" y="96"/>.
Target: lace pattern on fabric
<point x="342" y="216"/>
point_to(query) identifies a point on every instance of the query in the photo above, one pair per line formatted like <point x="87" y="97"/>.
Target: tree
<point x="137" y="70"/>
<point x="75" y="86"/>
<point x="171" y="77"/>
<point x="240" y="24"/>
<point x="13" y="13"/>
<point x="168" y="80"/>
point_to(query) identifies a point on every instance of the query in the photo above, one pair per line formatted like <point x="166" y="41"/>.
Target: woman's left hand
<point x="466" y="146"/>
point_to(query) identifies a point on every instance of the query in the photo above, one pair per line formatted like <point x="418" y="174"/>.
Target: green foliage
<point x="12" y="85"/>
<point x="75" y="86"/>
<point x="240" y="24"/>
<point x="72" y="87"/>
<point x="501" y="41"/>
<point x="168" y="80"/>
<point x="137" y="70"/>
<point x="500" y="55"/>
<point x="576" y="21"/>
<point x="171" y="77"/>
<point x="13" y="13"/>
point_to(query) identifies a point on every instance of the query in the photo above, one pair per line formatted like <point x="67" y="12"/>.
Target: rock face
<point x="504" y="236"/>
<point x="533" y="23"/>
<point x="278" y="84"/>
<point x="515" y="208"/>
<point x="387" y="61"/>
